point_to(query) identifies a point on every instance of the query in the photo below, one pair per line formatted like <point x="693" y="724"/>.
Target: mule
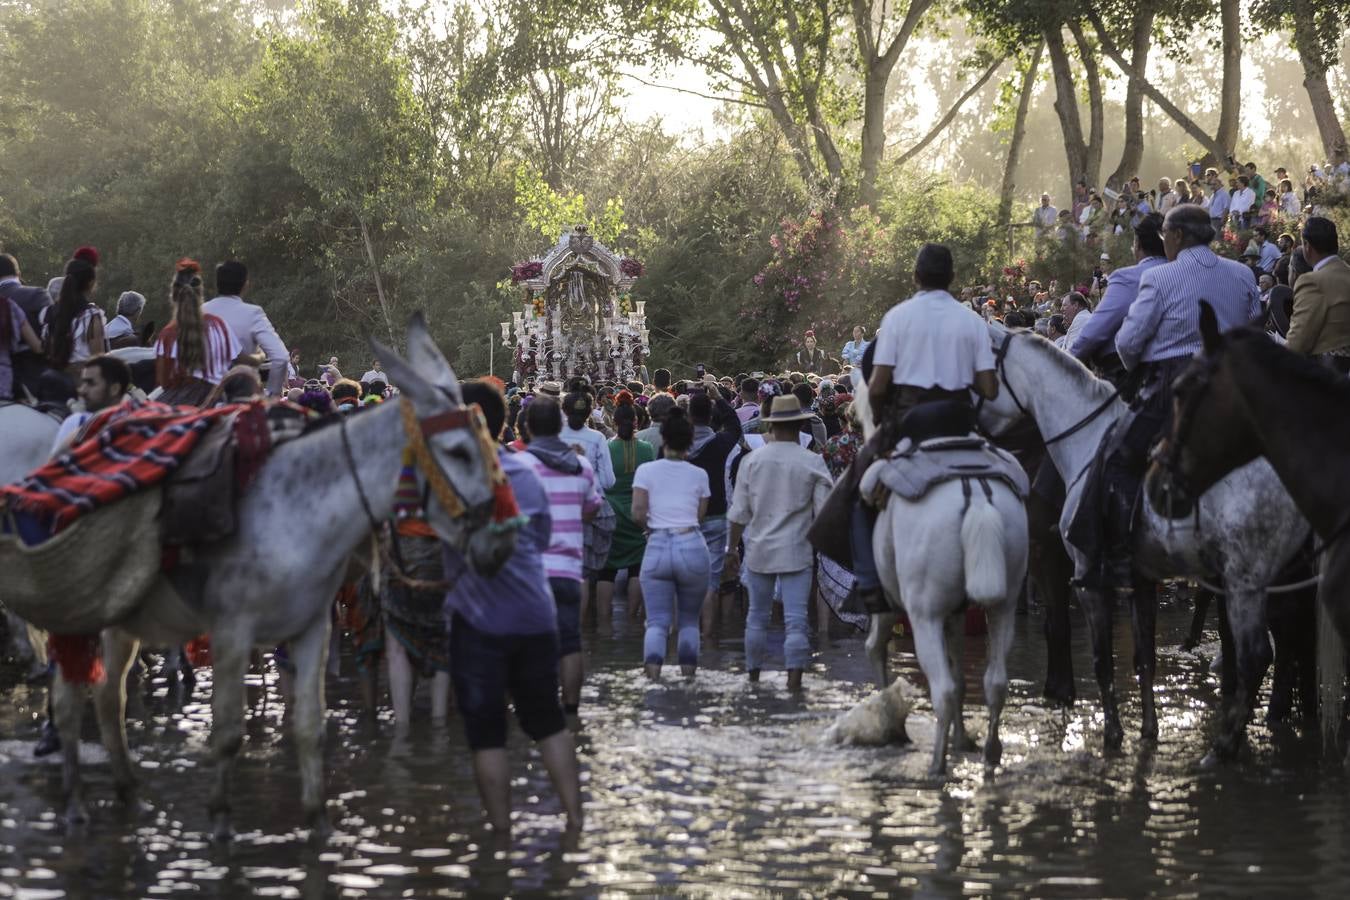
<point x="934" y="556"/>
<point x="1247" y="397"/>
<point x="315" y="500"/>
<point x="1245" y="529"/>
<point x="26" y="436"/>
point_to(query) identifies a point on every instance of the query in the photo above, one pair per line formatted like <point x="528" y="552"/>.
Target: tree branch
<point x="670" y="87"/>
<point x="951" y="113"/>
<point x="1167" y="106"/>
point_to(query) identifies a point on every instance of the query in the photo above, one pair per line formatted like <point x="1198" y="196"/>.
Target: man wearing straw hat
<point x="780" y="488"/>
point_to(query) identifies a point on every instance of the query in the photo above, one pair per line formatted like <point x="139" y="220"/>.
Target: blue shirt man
<point x="1098" y="336"/>
<point x="1163" y="323"/>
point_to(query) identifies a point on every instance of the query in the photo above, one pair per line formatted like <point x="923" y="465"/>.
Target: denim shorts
<point x="485" y="668"/>
<point x="567" y="596"/>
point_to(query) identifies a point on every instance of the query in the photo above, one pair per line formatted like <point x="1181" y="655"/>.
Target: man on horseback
<point x="1159" y="336"/>
<point x="930" y="352"/>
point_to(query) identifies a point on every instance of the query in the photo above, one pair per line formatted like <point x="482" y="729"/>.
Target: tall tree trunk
<point x="878" y="62"/>
<point x="1019" y="132"/>
<point x="1133" y="153"/>
<point x="1315" y="81"/>
<point x="1230" y="93"/>
<point x="1096" y="142"/>
<point x="379" y="284"/>
<point x="1066" y="107"/>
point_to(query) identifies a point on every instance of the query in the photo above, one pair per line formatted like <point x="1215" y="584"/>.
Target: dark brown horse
<point x="1247" y="397"/>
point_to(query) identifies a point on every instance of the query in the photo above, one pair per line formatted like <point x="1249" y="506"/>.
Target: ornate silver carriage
<point x="578" y="317"/>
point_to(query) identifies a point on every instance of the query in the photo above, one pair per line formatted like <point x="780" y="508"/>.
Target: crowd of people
<point x="684" y="489"/>
<point x="1236" y="196"/>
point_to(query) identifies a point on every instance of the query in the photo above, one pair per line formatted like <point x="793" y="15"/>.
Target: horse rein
<point x="1000" y="356"/>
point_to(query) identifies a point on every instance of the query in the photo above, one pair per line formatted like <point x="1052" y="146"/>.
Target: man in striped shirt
<point x="1160" y="335"/>
<point x="573" y="499"/>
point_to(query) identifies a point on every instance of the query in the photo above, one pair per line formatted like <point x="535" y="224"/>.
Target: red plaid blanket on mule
<point x="121" y="451"/>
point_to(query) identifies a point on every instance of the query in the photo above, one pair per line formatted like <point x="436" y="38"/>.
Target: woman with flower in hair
<point x="72" y="329"/>
<point x="196" y="349"/>
<point x="626" y="452"/>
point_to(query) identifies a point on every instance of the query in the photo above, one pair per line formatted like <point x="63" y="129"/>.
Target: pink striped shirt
<point x="569" y="498"/>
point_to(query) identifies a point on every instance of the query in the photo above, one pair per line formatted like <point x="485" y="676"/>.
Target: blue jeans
<point x="674" y="579"/>
<point x="796" y="591"/>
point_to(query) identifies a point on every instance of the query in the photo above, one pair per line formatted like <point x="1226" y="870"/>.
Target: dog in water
<point x="878" y="720"/>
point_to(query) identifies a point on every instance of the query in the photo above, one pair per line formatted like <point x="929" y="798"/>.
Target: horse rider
<point x="1320" y="323"/>
<point x="930" y="352"/>
<point x="1095" y="344"/>
<point x="1157" y="339"/>
<point x="250" y="324"/>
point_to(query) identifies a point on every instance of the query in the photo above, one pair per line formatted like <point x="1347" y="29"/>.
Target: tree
<point x="1318" y="27"/>
<point x="1025" y="79"/>
<point x="340" y="99"/>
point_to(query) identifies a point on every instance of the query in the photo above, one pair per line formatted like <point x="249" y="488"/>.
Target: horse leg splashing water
<point x="1242" y="532"/>
<point x="933" y="556"/>
<point x="1245" y="397"/>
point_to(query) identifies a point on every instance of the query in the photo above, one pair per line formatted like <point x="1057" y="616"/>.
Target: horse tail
<point x="982" y="547"/>
<point x="1330" y="675"/>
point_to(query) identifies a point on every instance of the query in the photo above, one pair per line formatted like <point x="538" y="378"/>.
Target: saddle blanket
<point x="135" y="446"/>
<point x="915" y="469"/>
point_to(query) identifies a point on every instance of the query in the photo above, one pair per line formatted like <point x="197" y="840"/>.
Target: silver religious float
<point x="578" y="317"/>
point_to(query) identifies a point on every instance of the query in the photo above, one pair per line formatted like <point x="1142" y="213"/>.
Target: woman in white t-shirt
<point x="670" y="497"/>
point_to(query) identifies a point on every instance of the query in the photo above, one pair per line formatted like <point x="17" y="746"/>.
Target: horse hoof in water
<point x="221" y="832"/>
<point x="76" y="814"/>
<point x="320" y="829"/>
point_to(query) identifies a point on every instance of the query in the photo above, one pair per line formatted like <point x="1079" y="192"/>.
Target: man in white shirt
<point x="374" y="374"/>
<point x="929" y="349"/>
<point x="1244" y="198"/>
<point x="1077" y="313"/>
<point x="1045" y="216"/>
<point x="121" y="330"/>
<point x="249" y="323"/>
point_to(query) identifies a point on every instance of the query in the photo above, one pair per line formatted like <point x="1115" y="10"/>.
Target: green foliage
<point x="550" y="212"/>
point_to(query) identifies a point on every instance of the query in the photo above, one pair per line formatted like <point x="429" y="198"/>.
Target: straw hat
<point x="786" y="409"/>
<point x="550" y="389"/>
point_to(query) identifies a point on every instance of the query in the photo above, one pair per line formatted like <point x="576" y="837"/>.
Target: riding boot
<point x="864" y="560"/>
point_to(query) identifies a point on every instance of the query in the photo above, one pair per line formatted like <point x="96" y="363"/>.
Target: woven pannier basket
<point x="93" y="574"/>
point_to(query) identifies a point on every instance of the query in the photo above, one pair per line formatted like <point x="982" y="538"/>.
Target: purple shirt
<point x="517" y="600"/>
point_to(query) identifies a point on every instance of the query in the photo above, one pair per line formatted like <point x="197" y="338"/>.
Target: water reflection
<point x="715" y="786"/>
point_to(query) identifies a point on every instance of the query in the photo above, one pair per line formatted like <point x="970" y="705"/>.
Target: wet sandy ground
<point x="717" y="787"/>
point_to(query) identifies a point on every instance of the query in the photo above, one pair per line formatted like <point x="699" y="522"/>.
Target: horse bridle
<point x="1000" y="357"/>
<point x="418" y="431"/>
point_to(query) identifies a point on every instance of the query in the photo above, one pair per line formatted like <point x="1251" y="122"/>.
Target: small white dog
<point x="878" y="720"/>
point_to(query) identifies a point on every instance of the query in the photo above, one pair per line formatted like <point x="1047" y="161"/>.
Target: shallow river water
<point x="716" y="787"/>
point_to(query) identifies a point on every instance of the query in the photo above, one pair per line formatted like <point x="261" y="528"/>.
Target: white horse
<point x="934" y="556"/>
<point x="1248" y="527"/>
<point x="312" y="504"/>
<point x="26" y="436"/>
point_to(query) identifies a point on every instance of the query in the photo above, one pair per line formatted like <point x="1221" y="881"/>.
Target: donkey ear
<point x="1209" y="327"/>
<point x="405" y="377"/>
<point x="427" y="359"/>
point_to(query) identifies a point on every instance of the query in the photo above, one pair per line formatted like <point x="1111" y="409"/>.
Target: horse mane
<point x="1083" y="379"/>
<point x="1267" y="354"/>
